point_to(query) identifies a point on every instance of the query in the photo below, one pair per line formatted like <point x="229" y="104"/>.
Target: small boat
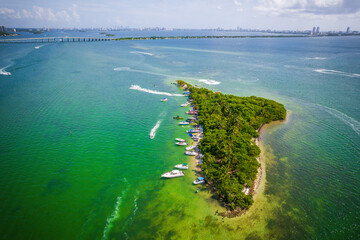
<point x="184" y="123"/>
<point x="199" y="180"/>
<point x="193" y="131"/>
<point x="173" y="174"/>
<point x="178" y="117"/>
<point x="181" y="143"/>
<point x="179" y="140"/>
<point x="190" y="153"/>
<point x="182" y="166"/>
<point x="6" y="73"/>
<point x="191" y="112"/>
<point x="190" y="148"/>
<point x="164" y="99"/>
<point x="185" y="104"/>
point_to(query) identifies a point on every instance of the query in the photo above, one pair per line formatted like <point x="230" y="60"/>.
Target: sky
<point x="255" y="14"/>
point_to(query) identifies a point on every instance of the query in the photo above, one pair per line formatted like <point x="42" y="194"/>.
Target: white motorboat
<point x="164" y="99"/>
<point x="185" y="104"/>
<point x="173" y="174"/>
<point x="190" y="148"/>
<point x="179" y="140"/>
<point x="6" y="73"/>
<point x="182" y="166"/>
<point x="193" y="131"/>
<point x="184" y="123"/>
<point x="190" y="153"/>
<point x="181" y="143"/>
<point x="199" y="180"/>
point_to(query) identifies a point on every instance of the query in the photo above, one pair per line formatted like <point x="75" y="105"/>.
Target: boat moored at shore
<point x="185" y="104"/>
<point x="173" y="174"/>
<point x="199" y="180"/>
<point x="182" y="166"/>
<point x="190" y="153"/>
<point x="179" y="140"/>
<point x="190" y="148"/>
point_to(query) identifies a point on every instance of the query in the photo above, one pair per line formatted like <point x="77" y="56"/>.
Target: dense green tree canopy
<point x="229" y="123"/>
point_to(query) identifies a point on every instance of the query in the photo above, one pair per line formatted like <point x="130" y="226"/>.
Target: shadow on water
<point x="56" y="186"/>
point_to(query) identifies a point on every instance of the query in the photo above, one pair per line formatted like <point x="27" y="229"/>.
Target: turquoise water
<point x="76" y="161"/>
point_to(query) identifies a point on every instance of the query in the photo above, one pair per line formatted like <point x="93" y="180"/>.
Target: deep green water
<point x="76" y="161"/>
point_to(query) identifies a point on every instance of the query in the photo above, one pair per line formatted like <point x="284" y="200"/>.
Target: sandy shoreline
<point x="257" y="182"/>
<point x="261" y="170"/>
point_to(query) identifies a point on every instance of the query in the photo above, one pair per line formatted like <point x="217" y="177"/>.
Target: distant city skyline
<point x="329" y="15"/>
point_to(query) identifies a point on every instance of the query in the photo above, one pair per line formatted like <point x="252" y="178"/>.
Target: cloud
<point x="11" y="13"/>
<point x="69" y="15"/>
<point x="238" y="5"/>
<point x="308" y="7"/>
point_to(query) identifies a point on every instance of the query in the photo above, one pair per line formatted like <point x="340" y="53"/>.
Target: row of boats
<point x="189" y="149"/>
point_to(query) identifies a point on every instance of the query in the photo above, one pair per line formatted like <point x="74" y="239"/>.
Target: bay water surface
<point x="76" y="160"/>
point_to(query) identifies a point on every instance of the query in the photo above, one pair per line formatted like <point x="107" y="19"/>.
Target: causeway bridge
<point x="53" y="39"/>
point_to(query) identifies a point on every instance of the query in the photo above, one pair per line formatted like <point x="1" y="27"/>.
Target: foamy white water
<point x="154" y="129"/>
<point x="3" y="72"/>
<point x="144" y="53"/>
<point x="355" y="125"/>
<point x="248" y="80"/>
<point x="40" y="46"/>
<point x="315" y="58"/>
<point x="137" y="87"/>
<point x="112" y="218"/>
<point x="209" y="82"/>
<point x="114" y="215"/>
<point x="335" y="72"/>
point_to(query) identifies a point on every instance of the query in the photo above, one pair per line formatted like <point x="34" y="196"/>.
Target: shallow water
<point x="76" y="160"/>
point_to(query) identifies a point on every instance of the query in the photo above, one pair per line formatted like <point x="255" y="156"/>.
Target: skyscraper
<point x="348" y="30"/>
<point x="317" y="30"/>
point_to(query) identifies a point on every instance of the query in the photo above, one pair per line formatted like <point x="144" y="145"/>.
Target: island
<point x="230" y="128"/>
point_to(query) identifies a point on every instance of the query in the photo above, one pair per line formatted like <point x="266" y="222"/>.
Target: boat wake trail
<point x="334" y="72"/>
<point x="137" y="87"/>
<point x="154" y="129"/>
<point x="209" y="82"/>
<point x="355" y="125"/>
<point x="315" y="58"/>
<point x="3" y="72"/>
<point x="40" y="46"/>
<point x="144" y="53"/>
<point x="114" y="215"/>
<point x="130" y="219"/>
<point x="248" y="80"/>
<point x="206" y="81"/>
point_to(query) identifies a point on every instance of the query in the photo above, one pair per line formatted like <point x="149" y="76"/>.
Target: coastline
<point x="261" y="170"/>
<point x="248" y="193"/>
